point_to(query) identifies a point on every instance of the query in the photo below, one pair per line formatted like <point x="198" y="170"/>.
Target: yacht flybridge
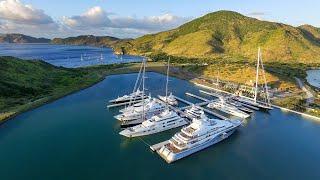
<point x="200" y="134"/>
<point x="194" y="112"/>
<point x="166" y="120"/>
<point x="221" y="105"/>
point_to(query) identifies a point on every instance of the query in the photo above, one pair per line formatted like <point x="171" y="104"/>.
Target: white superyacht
<point x="166" y="120"/>
<point x="134" y="96"/>
<point x="135" y="116"/>
<point x="200" y="134"/>
<point x="221" y="105"/>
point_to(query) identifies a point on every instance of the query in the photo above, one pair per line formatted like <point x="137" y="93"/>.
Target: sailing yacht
<point x="194" y="112"/>
<point x="138" y="114"/>
<point x="200" y="134"/>
<point x="221" y="105"/>
<point x="254" y="102"/>
<point x="171" y="100"/>
<point x="166" y="120"/>
<point x="135" y="95"/>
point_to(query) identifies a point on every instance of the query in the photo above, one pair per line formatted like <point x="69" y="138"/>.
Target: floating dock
<point x="211" y="94"/>
<point x="197" y="97"/>
<point x="206" y="101"/>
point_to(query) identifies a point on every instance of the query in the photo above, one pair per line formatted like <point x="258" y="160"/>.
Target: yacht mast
<point x="257" y="77"/>
<point x="143" y="81"/>
<point x="265" y="82"/>
<point x="167" y="82"/>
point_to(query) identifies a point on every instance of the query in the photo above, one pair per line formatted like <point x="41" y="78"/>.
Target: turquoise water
<point x="313" y="77"/>
<point x="65" y="55"/>
<point x="76" y="137"/>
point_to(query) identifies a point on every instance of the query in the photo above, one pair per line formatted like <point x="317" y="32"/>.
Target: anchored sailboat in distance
<point x="254" y="102"/>
<point x="171" y="100"/>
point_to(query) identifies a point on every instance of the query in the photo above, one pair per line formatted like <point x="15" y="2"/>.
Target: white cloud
<point x="257" y="14"/>
<point x="153" y="23"/>
<point x="96" y="17"/>
<point x="16" y="17"/>
<point x="15" y="11"/>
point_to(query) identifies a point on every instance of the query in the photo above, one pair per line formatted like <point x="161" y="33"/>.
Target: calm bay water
<point x="65" y="55"/>
<point x="76" y="137"/>
<point x="314" y="77"/>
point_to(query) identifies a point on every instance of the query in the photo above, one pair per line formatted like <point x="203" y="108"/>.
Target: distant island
<point x="21" y="38"/>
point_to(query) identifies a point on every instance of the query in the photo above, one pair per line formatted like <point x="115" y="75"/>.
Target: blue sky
<point x="125" y="18"/>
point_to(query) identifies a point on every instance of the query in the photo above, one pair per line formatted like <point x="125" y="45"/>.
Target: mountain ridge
<point x="21" y="38"/>
<point x="228" y="34"/>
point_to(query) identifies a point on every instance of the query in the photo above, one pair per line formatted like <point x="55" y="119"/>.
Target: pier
<point x="211" y="94"/>
<point x="206" y="101"/>
<point x="197" y="97"/>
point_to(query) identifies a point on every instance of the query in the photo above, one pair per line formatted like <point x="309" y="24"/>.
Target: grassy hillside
<point x="87" y="40"/>
<point x="20" y="38"/>
<point x="27" y="84"/>
<point x="230" y="35"/>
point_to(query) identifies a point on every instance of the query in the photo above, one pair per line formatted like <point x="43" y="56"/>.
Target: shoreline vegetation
<point x="60" y="82"/>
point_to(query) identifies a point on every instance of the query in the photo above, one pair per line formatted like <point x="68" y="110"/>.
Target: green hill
<point x="87" y="40"/>
<point x="226" y="34"/>
<point x="21" y="38"/>
<point x="25" y="84"/>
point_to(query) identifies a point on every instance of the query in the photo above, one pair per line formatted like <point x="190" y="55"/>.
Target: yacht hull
<point x="128" y="133"/>
<point x="115" y="101"/>
<point x="171" y="157"/>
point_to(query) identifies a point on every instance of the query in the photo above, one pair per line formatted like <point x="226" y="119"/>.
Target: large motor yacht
<point x="200" y="134"/>
<point x="221" y="105"/>
<point x="166" y="120"/>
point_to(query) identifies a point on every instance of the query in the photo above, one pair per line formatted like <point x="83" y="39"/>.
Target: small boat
<point x="200" y="134"/>
<point x="137" y="95"/>
<point x="166" y="120"/>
